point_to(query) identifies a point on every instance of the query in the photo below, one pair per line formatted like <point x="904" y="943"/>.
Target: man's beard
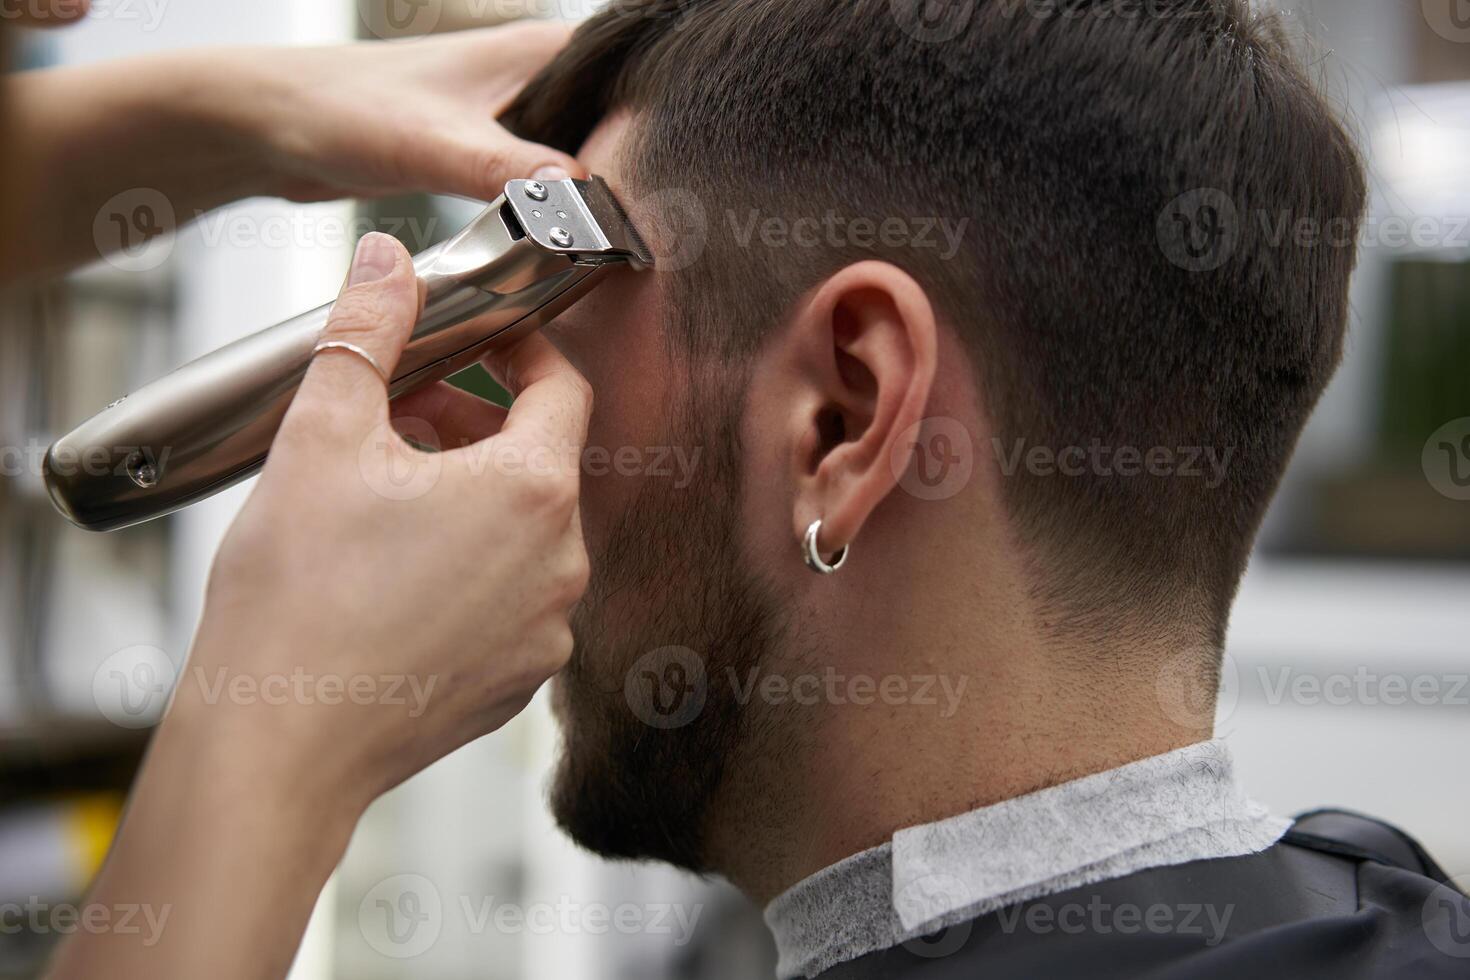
<point x="650" y="719"/>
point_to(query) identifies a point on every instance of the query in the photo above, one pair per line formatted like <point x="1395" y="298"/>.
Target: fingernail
<point x="374" y="259"/>
<point x="551" y="172"/>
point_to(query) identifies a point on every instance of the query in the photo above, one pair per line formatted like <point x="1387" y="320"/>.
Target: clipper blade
<point x="616" y="224"/>
<point x="577" y="218"/>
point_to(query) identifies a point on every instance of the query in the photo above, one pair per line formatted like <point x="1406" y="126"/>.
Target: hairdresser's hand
<point x="92" y="144"/>
<point x="373" y="608"/>
<point x="360" y="556"/>
<point x="372" y="119"/>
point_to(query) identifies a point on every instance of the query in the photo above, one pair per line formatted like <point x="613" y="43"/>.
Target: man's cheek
<point x="613" y="474"/>
<point x="596" y="510"/>
<point x="564" y="333"/>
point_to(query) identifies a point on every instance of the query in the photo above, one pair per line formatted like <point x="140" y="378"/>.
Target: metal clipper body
<point x="533" y="253"/>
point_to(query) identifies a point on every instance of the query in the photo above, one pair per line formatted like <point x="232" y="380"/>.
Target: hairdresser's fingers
<point x="48" y="13"/>
<point x="518" y="49"/>
<point x="375" y="314"/>
<point x="553" y="402"/>
<point x="477" y="161"/>
<point x="477" y="157"/>
<point x="454" y="417"/>
<point x="495" y="63"/>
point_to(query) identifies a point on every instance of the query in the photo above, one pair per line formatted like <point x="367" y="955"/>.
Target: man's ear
<point x="863" y="358"/>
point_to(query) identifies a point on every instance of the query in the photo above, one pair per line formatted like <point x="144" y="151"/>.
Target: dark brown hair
<point x="1126" y="167"/>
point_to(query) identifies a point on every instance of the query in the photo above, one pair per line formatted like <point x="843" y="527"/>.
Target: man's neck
<point x="913" y="728"/>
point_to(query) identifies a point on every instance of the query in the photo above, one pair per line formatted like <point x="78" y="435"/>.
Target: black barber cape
<point x="1340" y="897"/>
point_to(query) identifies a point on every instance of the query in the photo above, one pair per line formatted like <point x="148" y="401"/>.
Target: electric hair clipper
<point x="533" y="253"/>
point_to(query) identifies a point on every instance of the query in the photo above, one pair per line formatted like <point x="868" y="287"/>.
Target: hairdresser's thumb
<point x="346" y="387"/>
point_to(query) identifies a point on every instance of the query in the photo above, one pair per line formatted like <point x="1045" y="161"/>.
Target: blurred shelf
<point x="61" y="756"/>
<point x="60" y="737"/>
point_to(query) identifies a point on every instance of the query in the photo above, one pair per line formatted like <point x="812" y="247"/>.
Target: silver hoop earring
<point x="814" y="557"/>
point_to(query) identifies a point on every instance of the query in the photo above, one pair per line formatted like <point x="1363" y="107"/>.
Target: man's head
<point x="1058" y="225"/>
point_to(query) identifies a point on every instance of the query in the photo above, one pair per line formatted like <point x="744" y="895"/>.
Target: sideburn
<point x="625" y="787"/>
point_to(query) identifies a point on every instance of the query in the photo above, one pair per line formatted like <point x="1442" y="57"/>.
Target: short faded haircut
<point x="1079" y="139"/>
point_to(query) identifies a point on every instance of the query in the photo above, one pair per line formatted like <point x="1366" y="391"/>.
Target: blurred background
<point x="1347" y="679"/>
